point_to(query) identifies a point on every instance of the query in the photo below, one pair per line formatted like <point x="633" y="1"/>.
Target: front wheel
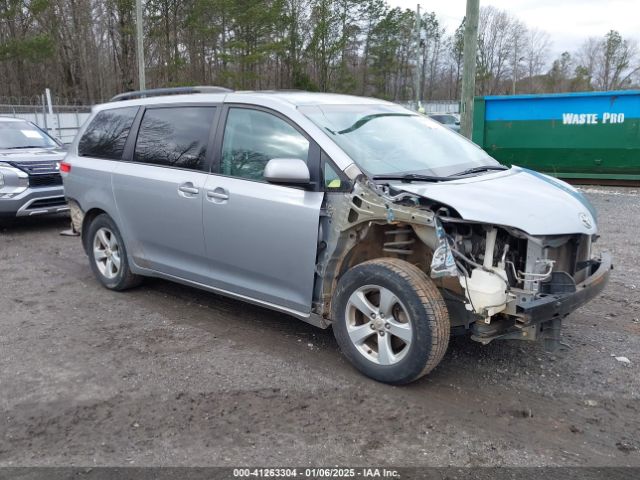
<point x="390" y="320"/>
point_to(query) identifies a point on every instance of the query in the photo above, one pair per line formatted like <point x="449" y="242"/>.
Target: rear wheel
<point x="108" y="255"/>
<point x="390" y="320"/>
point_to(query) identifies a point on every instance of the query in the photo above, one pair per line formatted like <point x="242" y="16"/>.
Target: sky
<point x="568" y="22"/>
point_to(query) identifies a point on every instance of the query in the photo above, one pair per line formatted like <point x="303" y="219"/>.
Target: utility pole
<point x="515" y="66"/>
<point x="469" y="66"/>
<point x="416" y="87"/>
<point x="140" y="44"/>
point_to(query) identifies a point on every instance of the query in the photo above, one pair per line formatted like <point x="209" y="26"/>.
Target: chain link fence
<point x="63" y="123"/>
<point x="437" y="106"/>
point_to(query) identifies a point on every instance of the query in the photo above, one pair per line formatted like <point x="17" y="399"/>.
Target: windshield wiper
<point x="367" y="119"/>
<point x="410" y="177"/>
<point x="484" y="168"/>
<point x="25" y="146"/>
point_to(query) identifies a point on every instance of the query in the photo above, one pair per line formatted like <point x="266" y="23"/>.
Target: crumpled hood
<point x="530" y="201"/>
<point x="31" y="154"/>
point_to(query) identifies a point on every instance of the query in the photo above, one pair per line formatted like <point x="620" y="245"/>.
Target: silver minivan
<point x="342" y="211"/>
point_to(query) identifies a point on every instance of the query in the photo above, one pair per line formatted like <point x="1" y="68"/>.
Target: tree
<point x="84" y="50"/>
<point x="324" y="42"/>
<point x="536" y="51"/>
<point x="431" y="44"/>
<point x="518" y="34"/>
<point x="618" y="61"/>
<point x="456" y="48"/>
<point x="495" y="47"/>
<point x="609" y="63"/>
<point x="559" y="76"/>
<point x="371" y="12"/>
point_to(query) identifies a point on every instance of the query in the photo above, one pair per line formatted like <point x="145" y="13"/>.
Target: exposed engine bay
<point x="503" y="270"/>
<point x="497" y="281"/>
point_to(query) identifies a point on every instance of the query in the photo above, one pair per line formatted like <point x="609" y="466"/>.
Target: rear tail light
<point x="65" y="167"/>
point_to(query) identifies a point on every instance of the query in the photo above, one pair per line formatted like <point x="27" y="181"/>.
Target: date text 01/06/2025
<point x="315" y="472"/>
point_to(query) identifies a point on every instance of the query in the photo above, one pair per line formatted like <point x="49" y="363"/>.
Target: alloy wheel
<point x="106" y="253"/>
<point x="378" y="325"/>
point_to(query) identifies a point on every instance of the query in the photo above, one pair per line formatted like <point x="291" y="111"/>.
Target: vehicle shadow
<point x="249" y="318"/>
<point x="258" y="326"/>
<point x="59" y="221"/>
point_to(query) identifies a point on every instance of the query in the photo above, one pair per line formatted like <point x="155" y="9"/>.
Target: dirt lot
<point x="168" y="375"/>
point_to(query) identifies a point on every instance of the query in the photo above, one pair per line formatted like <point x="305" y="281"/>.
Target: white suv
<point x="30" y="182"/>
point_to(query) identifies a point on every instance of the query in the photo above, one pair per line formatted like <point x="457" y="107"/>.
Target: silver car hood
<point x="31" y="154"/>
<point x="535" y="203"/>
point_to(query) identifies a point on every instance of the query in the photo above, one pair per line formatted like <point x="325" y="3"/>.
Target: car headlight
<point x="13" y="181"/>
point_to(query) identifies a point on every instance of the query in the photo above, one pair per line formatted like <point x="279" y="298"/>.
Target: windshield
<point x="446" y="119"/>
<point x="388" y="139"/>
<point x="23" y="135"/>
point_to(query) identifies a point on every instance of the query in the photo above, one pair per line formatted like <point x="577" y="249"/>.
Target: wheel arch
<point x="373" y="242"/>
<point x="89" y="216"/>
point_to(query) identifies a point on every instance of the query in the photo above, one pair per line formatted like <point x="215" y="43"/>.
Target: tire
<point x="108" y="255"/>
<point x="406" y="330"/>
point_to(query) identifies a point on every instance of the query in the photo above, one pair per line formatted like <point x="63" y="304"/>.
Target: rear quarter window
<point x="107" y="133"/>
<point x="175" y="137"/>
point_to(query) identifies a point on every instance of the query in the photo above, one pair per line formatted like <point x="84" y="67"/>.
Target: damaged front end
<point x="498" y="282"/>
<point x="520" y="286"/>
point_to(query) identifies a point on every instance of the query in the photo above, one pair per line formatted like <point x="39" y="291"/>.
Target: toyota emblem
<point x="586" y="221"/>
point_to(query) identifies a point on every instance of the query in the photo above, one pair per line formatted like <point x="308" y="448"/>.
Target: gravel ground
<point x="169" y="375"/>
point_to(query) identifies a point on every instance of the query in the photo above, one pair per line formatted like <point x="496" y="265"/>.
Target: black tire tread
<point x="432" y="302"/>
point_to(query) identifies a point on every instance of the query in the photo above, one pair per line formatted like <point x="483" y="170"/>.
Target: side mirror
<point x="287" y="171"/>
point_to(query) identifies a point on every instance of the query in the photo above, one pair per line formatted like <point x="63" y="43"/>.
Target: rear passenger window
<point x="253" y="137"/>
<point x="107" y="133"/>
<point x="174" y="137"/>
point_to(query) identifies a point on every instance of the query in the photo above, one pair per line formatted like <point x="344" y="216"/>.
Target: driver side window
<point x="253" y="137"/>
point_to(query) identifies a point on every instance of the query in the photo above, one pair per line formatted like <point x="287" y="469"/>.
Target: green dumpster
<point x="591" y="135"/>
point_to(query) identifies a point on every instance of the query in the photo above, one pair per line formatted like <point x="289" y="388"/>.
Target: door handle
<point x="217" y="195"/>
<point x="188" y="188"/>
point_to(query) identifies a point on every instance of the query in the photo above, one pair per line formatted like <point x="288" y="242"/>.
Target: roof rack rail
<point x="156" y="92"/>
